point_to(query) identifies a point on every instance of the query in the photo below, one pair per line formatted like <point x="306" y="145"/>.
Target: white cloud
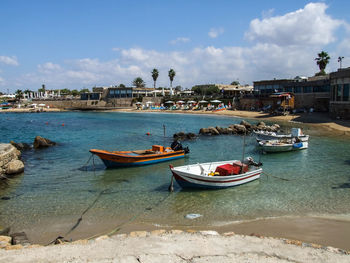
<point x="48" y="67"/>
<point x="9" y="60"/>
<point x="215" y="32"/>
<point x="179" y="40"/>
<point x="308" y="26"/>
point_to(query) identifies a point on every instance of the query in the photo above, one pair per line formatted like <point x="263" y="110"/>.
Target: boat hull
<point x="122" y="159"/>
<point x="274" y="148"/>
<point x="191" y="180"/>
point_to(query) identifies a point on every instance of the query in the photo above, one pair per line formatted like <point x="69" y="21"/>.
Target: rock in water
<point x="40" y="142"/>
<point x="21" y="146"/>
<point x="15" y="167"/>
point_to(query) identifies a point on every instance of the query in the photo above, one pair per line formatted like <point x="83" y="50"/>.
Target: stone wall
<point x="86" y="104"/>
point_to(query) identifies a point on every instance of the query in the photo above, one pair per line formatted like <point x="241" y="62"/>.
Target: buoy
<point x="62" y="124"/>
<point x="46" y="123"/>
<point x="148" y="134"/>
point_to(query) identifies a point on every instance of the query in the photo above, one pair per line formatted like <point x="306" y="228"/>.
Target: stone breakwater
<point x="235" y="129"/>
<point x="9" y="160"/>
<point x="173" y="246"/>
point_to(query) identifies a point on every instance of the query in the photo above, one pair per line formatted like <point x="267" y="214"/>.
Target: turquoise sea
<point x="52" y="195"/>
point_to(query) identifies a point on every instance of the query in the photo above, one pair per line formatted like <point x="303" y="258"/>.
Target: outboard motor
<point x="250" y="161"/>
<point x="187" y="150"/>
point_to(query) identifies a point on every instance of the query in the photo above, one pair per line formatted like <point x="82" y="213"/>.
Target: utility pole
<point x="340" y="59"/>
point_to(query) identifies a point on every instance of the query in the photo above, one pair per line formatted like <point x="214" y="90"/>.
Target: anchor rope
<point x="133" y="218"/>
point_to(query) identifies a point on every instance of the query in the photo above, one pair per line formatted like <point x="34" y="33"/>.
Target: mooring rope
<point x="284" y="179"/>
<point x="80" y="218"/>
<point x="133" y="218"/>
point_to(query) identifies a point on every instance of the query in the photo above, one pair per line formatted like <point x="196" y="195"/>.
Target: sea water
<point x="56" y="189"/>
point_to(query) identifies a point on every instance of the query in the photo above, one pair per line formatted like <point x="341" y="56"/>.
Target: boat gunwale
<point x="146" y="156"/>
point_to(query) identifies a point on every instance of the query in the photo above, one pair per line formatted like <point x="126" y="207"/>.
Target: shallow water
<point x="54" y="192"/>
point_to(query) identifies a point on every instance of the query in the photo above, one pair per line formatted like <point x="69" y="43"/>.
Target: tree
<point x="138" y="82"/>
<point x="322" y="60"/>
<point x="75" y="92"/>
<point x="19" y="95"/>
<point x="155" y="74"/>
<point x="171" y="75"/>
<point x="236" y="82"/>
<point x="65" y="91"/>
<point x="122" y="85"/>
<point x="84" y="90"/>
<point x="206" y="90"/>
<point x="178" y="88"/>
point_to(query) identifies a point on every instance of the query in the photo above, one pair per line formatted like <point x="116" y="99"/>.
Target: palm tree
<point x="155" y="74"/>
<point x="19" y="95"/>
<point x="138" y="82"/>
<point x="322" y="60"/>
<point x="171" y="74"/>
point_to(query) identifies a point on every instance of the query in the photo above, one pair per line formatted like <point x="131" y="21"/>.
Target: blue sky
<point x="79" y="44"/>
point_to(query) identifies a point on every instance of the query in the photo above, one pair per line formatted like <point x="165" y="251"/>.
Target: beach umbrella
<point x="149" y="102"/>
<point x="169" y="101"/>
<point x="138" y="102"/>
<point x="191" y="101"/>
<point x="41" y="105"/>
<point x="215" y="101"/>
<point x="180" y="101"/>
<point x="203" y="101"/>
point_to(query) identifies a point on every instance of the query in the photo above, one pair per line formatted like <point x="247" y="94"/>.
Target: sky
<point x="78" y="44"/>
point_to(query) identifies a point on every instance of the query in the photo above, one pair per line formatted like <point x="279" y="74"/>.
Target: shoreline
<point x="315" y="120"/>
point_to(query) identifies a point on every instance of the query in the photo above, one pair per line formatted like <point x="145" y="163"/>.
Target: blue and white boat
<point x="284" y="145"/>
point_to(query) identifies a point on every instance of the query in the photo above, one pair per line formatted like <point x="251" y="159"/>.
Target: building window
<point x="297" y="89"/>
<point x="307" y="89"/>
<point x="338" y="98"/>
<point x="346" y="92"/>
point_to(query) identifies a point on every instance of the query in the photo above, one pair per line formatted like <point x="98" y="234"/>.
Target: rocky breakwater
<point x="243" y="128"/>
<point x="10" y="162"/>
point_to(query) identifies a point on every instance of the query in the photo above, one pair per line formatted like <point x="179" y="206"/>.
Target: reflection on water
<point x="56" y="189"/>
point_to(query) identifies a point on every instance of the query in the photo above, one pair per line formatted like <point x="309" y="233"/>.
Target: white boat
<point x="216" y="175"/>
<point x="284" y="145"/>
<point x="295" y="133"/>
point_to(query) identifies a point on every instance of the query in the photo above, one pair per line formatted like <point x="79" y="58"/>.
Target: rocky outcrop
<point x="15" y="167"/>
<point x="41" y="142"/>
<point x="21" y="146"/>
<point x="184" y="136"/>
<point x="9" y="160"/>
<point x="243" y="128"/>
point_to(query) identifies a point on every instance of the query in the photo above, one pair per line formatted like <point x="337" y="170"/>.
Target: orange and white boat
<point x="113" y="159"/>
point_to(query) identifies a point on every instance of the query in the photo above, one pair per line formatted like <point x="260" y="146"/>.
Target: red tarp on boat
<point x="230" y="169"/>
